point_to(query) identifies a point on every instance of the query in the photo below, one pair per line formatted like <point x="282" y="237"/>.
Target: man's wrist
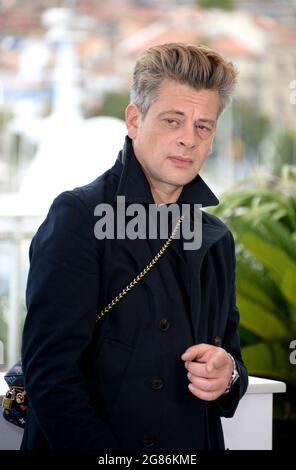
<point x="234" y="376"/>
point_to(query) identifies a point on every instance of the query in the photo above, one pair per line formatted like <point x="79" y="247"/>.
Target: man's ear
<point x="132" y="120"/>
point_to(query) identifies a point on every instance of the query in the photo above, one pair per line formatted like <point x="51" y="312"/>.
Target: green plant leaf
<point x="251" y="290"/>
<point x="261" y="212"/>
<point x="270" y="360"/>
<point x="249" y="280"/>
<point x="281" y="236"/>
<point x="273" y="258"/>
<point x="260" y="321"/>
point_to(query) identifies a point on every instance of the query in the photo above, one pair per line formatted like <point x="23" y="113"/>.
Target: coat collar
<point x="134" y="186"/>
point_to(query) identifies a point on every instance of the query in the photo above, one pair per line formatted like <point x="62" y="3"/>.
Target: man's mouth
<point x="183" y="162"/>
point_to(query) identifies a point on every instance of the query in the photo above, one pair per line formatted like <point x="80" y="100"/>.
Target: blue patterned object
<point x="15" y="403"/>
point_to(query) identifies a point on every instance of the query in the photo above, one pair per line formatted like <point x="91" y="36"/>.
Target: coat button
<point x="149" y="440"/>
<point x="164" y="324"/>
<point x="157" y="383"/>
<point x="218" y="341"/>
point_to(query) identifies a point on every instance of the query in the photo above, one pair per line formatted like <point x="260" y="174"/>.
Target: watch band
<point x="234" y="375"/>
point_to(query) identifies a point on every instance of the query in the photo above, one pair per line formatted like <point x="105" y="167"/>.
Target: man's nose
<point x="188" y="138"/>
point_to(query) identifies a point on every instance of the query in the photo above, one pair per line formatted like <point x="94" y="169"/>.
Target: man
<point x="163" y="365"/>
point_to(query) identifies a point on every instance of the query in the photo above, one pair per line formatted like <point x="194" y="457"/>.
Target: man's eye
<point x="172" y="122"/>
<point x="204" y="129"/>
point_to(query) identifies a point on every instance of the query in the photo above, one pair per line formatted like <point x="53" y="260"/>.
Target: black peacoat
<point x="120" y="384"/>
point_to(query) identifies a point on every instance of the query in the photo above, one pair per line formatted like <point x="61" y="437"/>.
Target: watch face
<point x="234" y="375"/>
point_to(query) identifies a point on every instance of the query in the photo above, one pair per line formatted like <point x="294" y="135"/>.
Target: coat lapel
<point x="194" y="258"/>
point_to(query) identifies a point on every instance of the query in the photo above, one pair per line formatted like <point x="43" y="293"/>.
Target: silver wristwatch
<point x="234" y="376"/>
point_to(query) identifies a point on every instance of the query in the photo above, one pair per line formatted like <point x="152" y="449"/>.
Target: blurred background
<point x="65" y="70"/>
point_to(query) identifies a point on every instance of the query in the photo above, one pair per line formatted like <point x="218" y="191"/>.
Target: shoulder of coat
<point x="215" y="221"/>
<point x="99" y="191"/>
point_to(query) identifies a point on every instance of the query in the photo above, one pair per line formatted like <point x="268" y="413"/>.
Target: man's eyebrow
<point x="210" y="121"/>
<point x="180" y="113"/>
<point x="171" y="111"/>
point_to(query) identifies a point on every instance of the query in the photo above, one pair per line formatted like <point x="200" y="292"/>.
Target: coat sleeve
<point x="62" y="300"/>
<point x="227" y="404"/>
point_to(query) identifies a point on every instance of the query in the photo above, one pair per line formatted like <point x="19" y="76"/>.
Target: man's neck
<point x="162" y="196"/>
<point x="162" y="193"/>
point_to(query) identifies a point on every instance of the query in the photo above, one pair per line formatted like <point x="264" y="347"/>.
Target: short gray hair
<point x="197" y="66"/>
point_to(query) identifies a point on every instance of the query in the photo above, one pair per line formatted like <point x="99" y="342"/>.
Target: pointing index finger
<point x="195" y="352"/>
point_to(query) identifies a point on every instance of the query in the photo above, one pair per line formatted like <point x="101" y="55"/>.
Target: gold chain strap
<point x="154" y="260"/>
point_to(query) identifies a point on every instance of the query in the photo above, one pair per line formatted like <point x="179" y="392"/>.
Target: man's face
<point x="175" y="137"/>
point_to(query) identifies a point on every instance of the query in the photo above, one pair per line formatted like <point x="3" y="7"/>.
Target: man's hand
<point x="209" y="370"/>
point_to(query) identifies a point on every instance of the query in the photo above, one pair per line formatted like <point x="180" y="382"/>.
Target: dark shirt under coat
<point x="120" y="383"/>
